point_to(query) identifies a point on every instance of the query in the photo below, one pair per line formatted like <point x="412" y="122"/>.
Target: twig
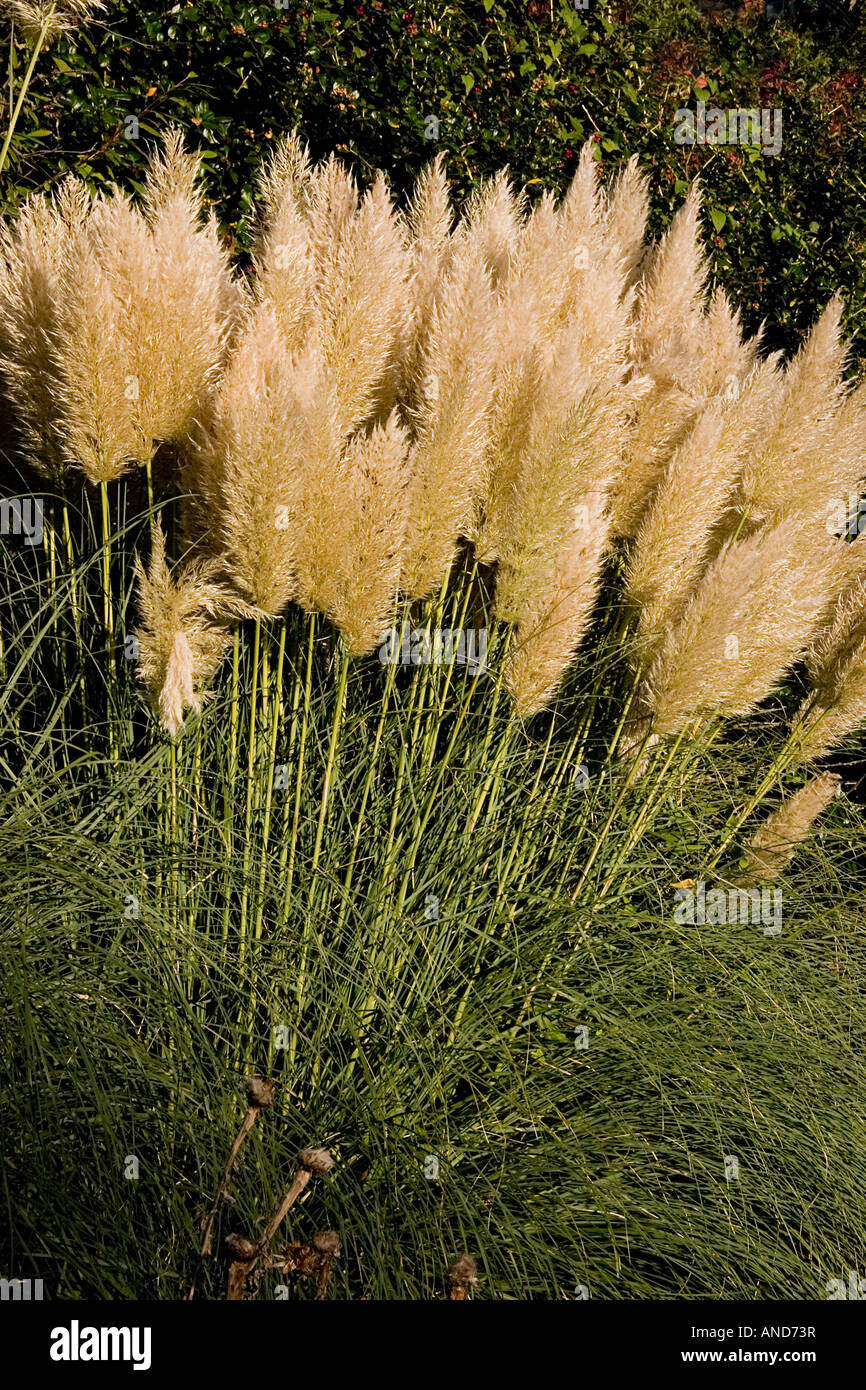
<point x="260" y="1094"/>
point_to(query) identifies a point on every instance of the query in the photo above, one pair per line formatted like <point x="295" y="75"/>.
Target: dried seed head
<point x="315" y="1160"/>
<point x="327" y="1243"/>
<point x="241" y="1247"/>
<point x="463" y="1273"/>
<point x="260" y="1092"/>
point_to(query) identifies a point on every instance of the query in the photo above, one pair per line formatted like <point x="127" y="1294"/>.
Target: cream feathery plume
<point x="517" y="388"/>
<point x="797" y="457"/>
<point x="593" y="272"/>
<point x="553" y="623"/>
<point x="429" y="222"/>
<point x="559" y="438"/>
<point x="824" y="726"/>
<point x="596" y="309"/>
<point x="563" y="334"/>
<point x="528" y="293"/>
<point x="252" y="460"/>
<point x="775" y="842"/>
<point x="286" y="175"/>
<point x="842" y="627"/>
<point x="361" y="306"/>
<point x="668" y="317"/>
<point x="626" y="210"/>
<point x="351" y="542"/>
<point x="33" y="254"/>
<point x="492" y="220"/>
<point x="565" y="458"/>
<point x="750" y="617"/>
<point x="713" y="362"/>
<point x="283" y="259"/>
<point x="841" y="470"/>
<point x="721" y="357"/>
<point x="529" y="300"/>
<point x="550" y="257"/>
<point x="531" y="292"/>
<point x="660" y="423"/>
<point x="184" y="633"/>
<point x="582" y="206"/>
<point x="124" y="247"/>
<point x="567" y="264"/>
<point x="450" y="422"/>
<point x="836" y="663"/>
<point x="671" y="293"/>
<point x="97" y="362"/>
<point x="332" y="204"/>
<point x="42" y="20"/>
<point x="674" y="532"/>
<point x="192" y="298"/>
<point x="283" y="265"/>
<point x="675" y="538"/>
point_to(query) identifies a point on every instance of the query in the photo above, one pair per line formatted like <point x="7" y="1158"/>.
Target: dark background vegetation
<point x="516" y="84"/>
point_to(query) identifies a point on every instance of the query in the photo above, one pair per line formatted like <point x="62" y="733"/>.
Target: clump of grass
<point x="411" y="894"/>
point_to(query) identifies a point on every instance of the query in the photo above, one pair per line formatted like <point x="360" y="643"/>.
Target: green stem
<point x="633" y="772"/>
<point x="372" y="769"/>
<point x="251" y="768"/>
<point x="299" y="780"/>
<point x="229" y="801"/>
<point x="46" y="25"/>
<point x="173" y="843"/>
<point x="336" y="727"/>
<point x="108" y="612"/>
<point x="650" y="808"/>
<point x="272" y="753"/>
<point x="789" y="753"/>
<point x="73" y="596"/>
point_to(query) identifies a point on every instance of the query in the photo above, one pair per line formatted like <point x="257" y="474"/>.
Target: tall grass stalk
<point x="25" y="85"/>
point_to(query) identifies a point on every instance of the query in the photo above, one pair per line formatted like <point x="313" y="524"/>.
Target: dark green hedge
<point x="512" y="84"/>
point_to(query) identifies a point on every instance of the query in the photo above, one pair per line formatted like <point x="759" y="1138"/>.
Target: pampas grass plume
<point x="184" y="631"/>
<point x="775" y="842"/>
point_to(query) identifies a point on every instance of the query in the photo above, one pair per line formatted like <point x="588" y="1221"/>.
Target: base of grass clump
<point x="567" y="1084"/>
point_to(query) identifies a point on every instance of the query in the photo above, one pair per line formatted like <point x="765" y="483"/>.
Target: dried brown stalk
<point x="247" y="1254"/>
<point x="310" y="1161"/>
<point x="260" y="1094"/>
